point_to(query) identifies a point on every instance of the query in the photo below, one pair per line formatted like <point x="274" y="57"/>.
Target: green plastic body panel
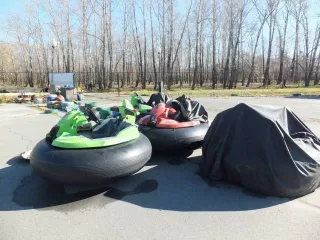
<point x="105" y="112"/>
<point x="127" y="112"/>
<point x="127" y="104"/>
<point x="71" y="142"/>
<point x="68" y="136"/>
<point x="142" y="108"/>
<point x="70" y="122"/>
<point x="134" y="99"/>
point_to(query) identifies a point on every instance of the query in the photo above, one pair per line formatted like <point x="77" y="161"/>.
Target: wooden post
<point x="118" y="84"/>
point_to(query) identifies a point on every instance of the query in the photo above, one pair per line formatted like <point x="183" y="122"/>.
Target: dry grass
<point x="6" y="99"/>
<point x="257" y="92"/>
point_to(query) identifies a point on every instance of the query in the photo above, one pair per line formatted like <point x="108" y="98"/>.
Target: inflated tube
<point x="90" y="166"/>
<point x="175" y="139"/>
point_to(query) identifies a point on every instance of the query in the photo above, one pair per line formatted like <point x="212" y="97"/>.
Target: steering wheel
<point x="93" y="116"/>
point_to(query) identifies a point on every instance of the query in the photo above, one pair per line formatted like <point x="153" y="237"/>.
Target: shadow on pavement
<point x="165" y="184"/>
<point x="33" y="192"/>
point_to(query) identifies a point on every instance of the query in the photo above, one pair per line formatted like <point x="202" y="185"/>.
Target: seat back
<point x="109" y="128"/>
<point x="127" y="112"/>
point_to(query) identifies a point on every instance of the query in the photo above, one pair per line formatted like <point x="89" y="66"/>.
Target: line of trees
<point x="137" y="42"/>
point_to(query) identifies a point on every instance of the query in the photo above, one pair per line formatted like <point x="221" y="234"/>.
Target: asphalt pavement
<point x="167" y="199"/>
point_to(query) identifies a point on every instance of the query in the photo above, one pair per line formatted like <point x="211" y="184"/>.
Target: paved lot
<point x="165" y="200"/>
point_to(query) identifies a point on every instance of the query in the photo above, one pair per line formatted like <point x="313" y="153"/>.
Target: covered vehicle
<point x="173" y="127"/>
<point x="83" y="149"/>
<point x="188" y="110"/>
<point x="157" y="98"/>
<point x="266" y="149"/>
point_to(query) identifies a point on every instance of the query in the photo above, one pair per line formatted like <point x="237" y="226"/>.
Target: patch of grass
<point x="41" y="108"/>
<point x="257" y="92"/>
<point x="5" y="99"/>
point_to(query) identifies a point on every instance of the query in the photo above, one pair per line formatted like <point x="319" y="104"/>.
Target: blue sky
<point x="17" y="6"/>
<point x="7" y="6"/>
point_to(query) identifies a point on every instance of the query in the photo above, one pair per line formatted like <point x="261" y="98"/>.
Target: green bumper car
<point x="83" y="149"/>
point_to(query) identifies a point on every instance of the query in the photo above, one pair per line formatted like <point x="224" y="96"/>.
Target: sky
<point x="17" y="6"/>
<point x="7" y="7"/>
<point x="10" y="6"/>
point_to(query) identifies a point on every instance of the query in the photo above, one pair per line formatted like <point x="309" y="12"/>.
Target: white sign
<point x="62" y="79"/>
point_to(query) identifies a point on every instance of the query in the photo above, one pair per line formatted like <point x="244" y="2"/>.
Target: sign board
<point x="62" y="79"/>
<point x="160" y="87"/>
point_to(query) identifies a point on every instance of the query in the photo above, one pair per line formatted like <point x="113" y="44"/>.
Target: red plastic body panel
<point x="163" y="120"/>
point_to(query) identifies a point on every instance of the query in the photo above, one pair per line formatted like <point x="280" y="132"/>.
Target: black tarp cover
<point x="266" y="149"/>
<point x="189" y="110"/>
<point x="157" y="98"/>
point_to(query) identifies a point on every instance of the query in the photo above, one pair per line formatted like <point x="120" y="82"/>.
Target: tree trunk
<point x="195" y="72"/>
<point x="316" y="81"/>
<point x="145" y="48"/>
<point x="266" y="76"/>
<point x="110" y="44"/>
<point x="169" y="69"/>
<point x="252" y="69"/>
<point x="214" y="68"/>
<point x="282" y="50"/>
<point x="313" y="57"/>
<point x="153" y="51"/>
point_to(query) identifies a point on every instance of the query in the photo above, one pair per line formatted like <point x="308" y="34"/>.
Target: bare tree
<point x="273" y="10"/>
<point x="240" y="15"/>
<point x="282" y="39"/>
<point x="110" y="42"/>
<point x="214" y="32"/>
<point x="196" y="66"/>
<point x="153" y="47"/>
<point x="313" y="56"/>
<point x="171" y="63"/>
<point x="145" y="46"/>
<point x="210" y="41"/>
<point x="295" y="8"/>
